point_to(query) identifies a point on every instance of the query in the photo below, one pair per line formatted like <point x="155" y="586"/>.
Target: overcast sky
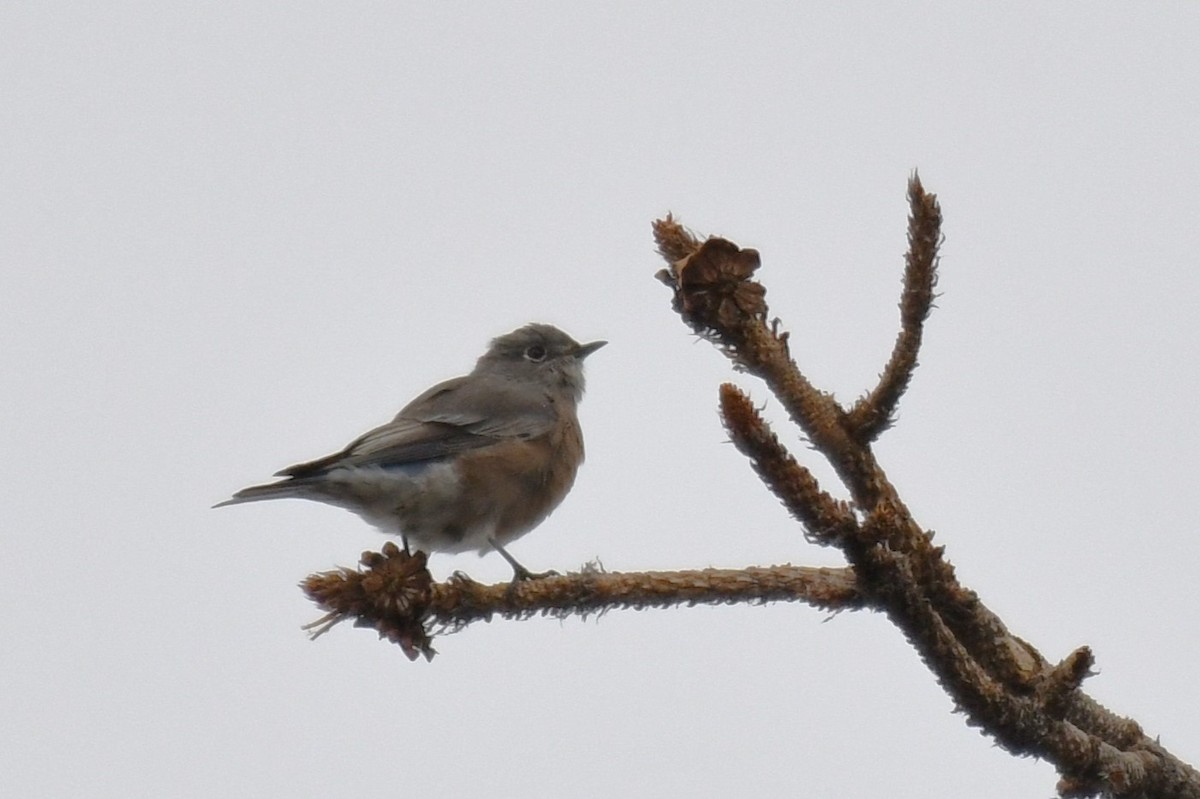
<point x="235" y="236"/>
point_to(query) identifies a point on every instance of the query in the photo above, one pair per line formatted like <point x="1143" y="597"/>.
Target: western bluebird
<point x="474" y="462"/>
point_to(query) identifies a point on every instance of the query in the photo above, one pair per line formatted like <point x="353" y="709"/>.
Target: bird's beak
<point x="587" y="349"/>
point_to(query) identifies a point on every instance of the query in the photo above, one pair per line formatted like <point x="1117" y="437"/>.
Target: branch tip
<point x="875" y="412"/>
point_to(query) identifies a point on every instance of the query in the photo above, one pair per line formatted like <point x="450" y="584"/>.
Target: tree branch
<point x="1002" y="684"/>
<point x="393" y="593"/>
<point x="874" y="413"/>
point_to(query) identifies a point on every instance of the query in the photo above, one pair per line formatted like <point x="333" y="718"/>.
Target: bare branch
<point x="825" y="518"/>
<point x="1001" y="683"/>
<point x="716" y="296"/>
<point x="873" y="413"/>
<point x="393" y="592"/>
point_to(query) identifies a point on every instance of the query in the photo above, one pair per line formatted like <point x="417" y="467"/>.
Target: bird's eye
<point x="536" y="353"/>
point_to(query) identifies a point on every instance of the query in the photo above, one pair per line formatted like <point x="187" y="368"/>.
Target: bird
<point x="473" y="463"/>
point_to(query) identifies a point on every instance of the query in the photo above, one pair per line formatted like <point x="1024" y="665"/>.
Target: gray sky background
<point x="235" y="236"/>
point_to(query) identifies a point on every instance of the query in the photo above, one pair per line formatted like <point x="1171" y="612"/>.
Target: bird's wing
<point x="452" y="417"/>
<point x="484" y="406"/>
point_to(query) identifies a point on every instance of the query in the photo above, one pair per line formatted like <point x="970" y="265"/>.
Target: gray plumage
<point x="447" y="471"/>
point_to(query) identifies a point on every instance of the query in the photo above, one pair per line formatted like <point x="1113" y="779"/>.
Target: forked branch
<point x="1002" y="684"/>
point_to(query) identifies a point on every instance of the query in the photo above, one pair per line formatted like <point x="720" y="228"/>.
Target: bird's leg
<point x="520" y="573"/>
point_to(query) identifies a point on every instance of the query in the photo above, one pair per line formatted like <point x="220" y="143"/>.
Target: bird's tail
<point x="280" y="490"/>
